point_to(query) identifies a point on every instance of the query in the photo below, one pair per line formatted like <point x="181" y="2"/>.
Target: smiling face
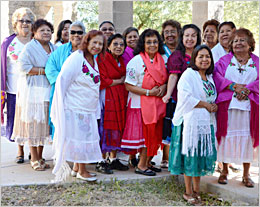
<point x="189" y="38"/>
<point x="65" y="33"/>
<point x="43" y="33"/>
<point x="151" y="45"/>
<point x="75" y="38"/>
<point x="240" y="44"/>
<point x="107" y="29"/>
<point x="95" y="45"/>
<point x="225" y="35"/>
<point x="132" y="39"/>
<point x="24" y="25"/>
<point x="203" y="60"/>
<point x="170" y="35"/>
<point x="117" y="47"/>
<point x="210" y="35"/>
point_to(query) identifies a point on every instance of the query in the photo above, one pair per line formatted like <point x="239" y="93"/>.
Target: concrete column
<point x="119" y="12"/>
<point x="4" y="20"/>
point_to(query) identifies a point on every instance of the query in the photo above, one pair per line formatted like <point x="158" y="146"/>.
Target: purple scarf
<point x="128" y="55"/>
<point x="4" y="47"/>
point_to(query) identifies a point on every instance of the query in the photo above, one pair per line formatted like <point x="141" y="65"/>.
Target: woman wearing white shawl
<point x="192" y="151"/>
<point x="33" y="89"/>
<point x="74" y="110"/>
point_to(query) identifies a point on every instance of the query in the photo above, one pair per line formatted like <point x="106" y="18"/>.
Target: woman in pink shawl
<point x="237" y="80"/>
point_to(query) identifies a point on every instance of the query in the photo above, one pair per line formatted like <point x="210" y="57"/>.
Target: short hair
<point x="231" y="24"/>
<point x="194" y="56"/>
<point x="250" y="39"/>
<point x="112" y="37"/>
<point x="172" y="23"/>
<point x="78" y="24"/>
<point x="85" y="41"/>
<point x="180" y="45"/>
<point x="39" y="23"/>
<point x="60" y="28"/>
<point x="141" y="41"/>
<point x="20" y="12"/>
<point x="211" y="22"/>
<point x="104" y="22"/>
<point x="128" y="30"/>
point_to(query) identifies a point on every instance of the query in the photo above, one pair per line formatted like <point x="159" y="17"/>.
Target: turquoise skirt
<point x="193" y="166"/>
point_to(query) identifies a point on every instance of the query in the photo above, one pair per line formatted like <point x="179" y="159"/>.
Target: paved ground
<point x="22" y="174"/>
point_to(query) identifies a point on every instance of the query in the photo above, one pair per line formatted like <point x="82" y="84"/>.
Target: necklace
<point x="240" y="69"/>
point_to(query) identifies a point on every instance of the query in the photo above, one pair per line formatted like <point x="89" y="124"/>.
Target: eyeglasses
<point x="240" y="40"/>
<point x="170" y="32"/>
<point x="116" y="44"/>
<point x="110" y="29"/>
<point x="24" y="21"/>
<point x="76" y="32"/>
<point x="150" y="43"/>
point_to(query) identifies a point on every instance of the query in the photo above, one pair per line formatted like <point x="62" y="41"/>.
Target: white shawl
<point x="197" y="121"/>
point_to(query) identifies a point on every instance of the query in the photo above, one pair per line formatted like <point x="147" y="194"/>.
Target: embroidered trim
<point x="85" y="70"/>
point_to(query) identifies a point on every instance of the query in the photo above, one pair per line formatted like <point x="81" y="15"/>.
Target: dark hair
<point x="128" y="30"/>
<point x="231" y="24"/>
<point x="211" y="22"/>
<point x="85" y="41"/>
<point x="60" y="28"/>
<point x="250" y="39"/>
<point x="172" y="23"/>
<point x="104" y="22"/>
<point x="39" y="23"/>
<point x="194" y="56"/>
<point x="112" y="37"/>
<point x="141" y="41"/>
<point x="180" y="45"/>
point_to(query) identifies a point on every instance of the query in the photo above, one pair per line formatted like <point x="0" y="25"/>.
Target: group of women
<point x="99" y="93"/>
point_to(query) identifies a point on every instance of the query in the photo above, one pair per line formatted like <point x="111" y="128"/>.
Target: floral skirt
<point x="193" y="166"/>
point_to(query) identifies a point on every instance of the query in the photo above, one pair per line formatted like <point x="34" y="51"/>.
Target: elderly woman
<point x="33" y="92"/>
<point x="237" y="81"/>
<point x="108" y="28"/>
<point x="131" y="36"/>
<point x="146" y="82"/>
<point x="11" y="48"/>
<point x="74" y="109"/>
<point x="113" y="96"/>
<point x="210" y="33"/>
<point x="226" y="33"/>
<point x="170" y="34"/>
<point x="63" y="33"/>
<point x="58" y="57"/>
<point x="193" y="152"/>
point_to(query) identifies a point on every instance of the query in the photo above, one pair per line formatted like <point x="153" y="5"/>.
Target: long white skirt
<point x="237" y="146"/>
<point x="82" y="138"/>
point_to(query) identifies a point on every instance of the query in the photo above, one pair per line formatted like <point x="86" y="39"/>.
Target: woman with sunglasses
<point x="58" y="57"/>
<point x="108" y="28"/>
<point x="22" y="21"/>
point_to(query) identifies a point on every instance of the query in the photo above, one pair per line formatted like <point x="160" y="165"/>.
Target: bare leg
<point x="20" y="150"/>
<point x="143" y="159"/>
<point x="246" y="167"/>
<point x="132" y="156"/>
<point x="188" y="184"/>
<point x="82" y="170"/>
<point x="196" y="184"/>
<point x="39" y="151"/>
<point x="75" y="167"/>
<point x="166" y="149"/>
<point x="34" y="154"/>
<point x="225" y="169"/>
<point x="104" y="155"/>
<point x="149" y="159"/>
<point x="113" y="154"/>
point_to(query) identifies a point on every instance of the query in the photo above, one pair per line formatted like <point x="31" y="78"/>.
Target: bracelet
<point x="231" y="87"/>
<point x="147" y="92"/>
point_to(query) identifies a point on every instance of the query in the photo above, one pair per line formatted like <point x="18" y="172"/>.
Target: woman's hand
<point x="166" y="98"/>
<point x="122" y="79"/>
<point x="214" y="107"/>
<point x="162" y="89"/>
<point x="154" y="91"/>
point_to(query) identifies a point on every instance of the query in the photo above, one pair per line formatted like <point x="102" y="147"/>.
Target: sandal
<point x="248" y="182"/>
<point x="36" y="165"/>
<point x="19" y="159"/>
<point x="189" y="199"/>
<point x="44" y="164"/>
<point x="196" y="195"/>
<point x="223" y="179"/>
<point x="147" y="172"/>
<point x="234" y="169"/>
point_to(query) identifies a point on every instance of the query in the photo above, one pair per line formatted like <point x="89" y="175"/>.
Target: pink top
<point x="128" y="55"/>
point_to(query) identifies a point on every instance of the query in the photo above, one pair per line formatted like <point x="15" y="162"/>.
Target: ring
<point x="242" y="92"/>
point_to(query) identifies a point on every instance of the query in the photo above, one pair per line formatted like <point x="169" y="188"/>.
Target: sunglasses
<point x="76" y="32"/>
<point x="24" y="21"/>
<point x="110" y="29"/>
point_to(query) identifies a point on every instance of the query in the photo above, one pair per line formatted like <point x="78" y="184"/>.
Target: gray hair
<point x="78" y="24"/>
<point x="20" y="12"/>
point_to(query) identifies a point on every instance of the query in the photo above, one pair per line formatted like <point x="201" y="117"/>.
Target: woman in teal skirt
<point x="193" y="151"/>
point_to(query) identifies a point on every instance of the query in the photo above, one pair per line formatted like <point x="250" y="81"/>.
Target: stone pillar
<point x="119" y="12"/>
<point x="4" y="20"/>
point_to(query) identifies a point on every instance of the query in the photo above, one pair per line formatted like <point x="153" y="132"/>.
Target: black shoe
<point x="103" y="167"/>
<point x="152" y="163"/>
<point x="147" y="172"/>
<point x="133" y="162"/>
<point x="155" y="169"/>
<point x="19" y="159"/>
<point x="117" y="165"/>
<point x="29" y="156"/>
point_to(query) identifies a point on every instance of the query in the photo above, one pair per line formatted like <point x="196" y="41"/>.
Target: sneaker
<point x="164" y="164"/>
<point x="117" y="165"/>
<point x="103" y="167"/>
<point x="133" y="162"/>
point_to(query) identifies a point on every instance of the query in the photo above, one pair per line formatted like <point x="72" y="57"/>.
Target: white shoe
<point x="91" y="179"/>
<point x="74" y="173"/>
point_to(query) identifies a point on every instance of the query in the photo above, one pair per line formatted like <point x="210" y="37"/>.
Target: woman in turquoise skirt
<point x="192" y="151"/>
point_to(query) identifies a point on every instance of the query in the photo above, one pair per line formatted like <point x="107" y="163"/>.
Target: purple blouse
<point x="128" y="55"/>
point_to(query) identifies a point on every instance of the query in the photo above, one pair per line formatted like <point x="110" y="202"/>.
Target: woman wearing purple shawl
<point x="22" y="21"/>
<point x="237" y="81"/>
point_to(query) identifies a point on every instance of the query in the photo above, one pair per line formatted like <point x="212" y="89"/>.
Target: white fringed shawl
<point x="197" y="121"/>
